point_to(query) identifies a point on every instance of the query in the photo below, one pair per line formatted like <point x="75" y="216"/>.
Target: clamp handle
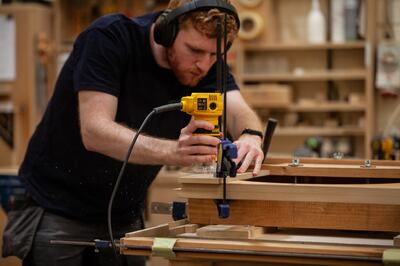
<point x="269" y="131"/>
<point x="223" y="209"/>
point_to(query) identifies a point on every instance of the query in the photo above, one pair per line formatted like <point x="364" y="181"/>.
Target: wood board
<point x="330" y="201"/>
<point x="270" y="248"/>
<point x="292" y="214"/>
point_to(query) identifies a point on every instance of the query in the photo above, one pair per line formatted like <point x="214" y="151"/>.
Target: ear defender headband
<point x="167" y="25"/>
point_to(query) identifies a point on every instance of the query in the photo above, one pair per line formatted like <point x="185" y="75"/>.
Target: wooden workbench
<point x="312" y="212"/>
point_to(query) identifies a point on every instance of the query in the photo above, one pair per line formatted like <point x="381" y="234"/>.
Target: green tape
<point x="391" y="257"/>
<point x="163" y="247"/>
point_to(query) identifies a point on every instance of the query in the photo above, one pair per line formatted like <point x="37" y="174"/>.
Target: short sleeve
<point x="99" y="62"/>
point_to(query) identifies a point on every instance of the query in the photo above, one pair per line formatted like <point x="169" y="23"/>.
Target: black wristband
<point x="252" y="132"/>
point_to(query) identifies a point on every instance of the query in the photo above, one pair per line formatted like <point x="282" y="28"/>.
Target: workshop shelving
<point x="23" y="98"/>
<point x="331" y="84"/>
<point x="302" y="46"/>
<point x="315" y="107"/>
<point x="320" y="131"/>
<point x="311" y="70"/>
<point x="355" y="74"/>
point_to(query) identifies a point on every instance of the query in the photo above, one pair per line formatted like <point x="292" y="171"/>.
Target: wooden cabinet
<point x="23" y="99"/>
<point x="330" y="84"/>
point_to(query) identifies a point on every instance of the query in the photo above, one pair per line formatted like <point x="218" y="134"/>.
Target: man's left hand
<point x="249" y="153"/>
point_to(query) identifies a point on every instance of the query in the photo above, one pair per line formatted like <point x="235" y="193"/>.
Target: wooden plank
<point x="331" y="161"/>
<point x="299" y="251"/>
<point x="321" y="236"/>
<point x="183" y="229"/>
<point x="326" y="107"/>
<point x="260" y="246"/>
<point x="303" y="46"/>
<point x="334" y="238"/>
<point x="318" y="130"/>
<point x="255" y="260"/>
<point x="210" y="179"/>
<point x="317" y="215"/>
<point x="217" y="261"/>
<point x="355" y="74"/>
<point x="334" y="170"/>
<point x="190" y="263"/>
<point x="159" y="230"/>
<point x="229" y="231"/>
<point x="387" y="194"/>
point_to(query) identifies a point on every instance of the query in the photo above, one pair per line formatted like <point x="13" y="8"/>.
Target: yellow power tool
<point x="205" y="106"/>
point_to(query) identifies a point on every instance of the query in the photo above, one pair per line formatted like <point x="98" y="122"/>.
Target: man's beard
<point x="188" y="77"/>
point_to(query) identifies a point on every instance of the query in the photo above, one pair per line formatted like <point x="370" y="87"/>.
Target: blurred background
<point x="327" y="70"/>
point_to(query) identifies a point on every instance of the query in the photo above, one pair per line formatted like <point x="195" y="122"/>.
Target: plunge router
<point x="205" y="106"/>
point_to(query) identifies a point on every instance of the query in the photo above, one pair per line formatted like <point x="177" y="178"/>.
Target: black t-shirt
<point x="113" y="56"/>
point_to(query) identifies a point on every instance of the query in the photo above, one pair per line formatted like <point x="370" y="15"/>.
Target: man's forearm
<point x="114" y="140"/>
<point x="240" y="115"/>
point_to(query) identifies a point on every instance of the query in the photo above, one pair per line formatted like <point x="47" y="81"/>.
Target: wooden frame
<point x="268" y="248"/>
<point x="324" y="196"/>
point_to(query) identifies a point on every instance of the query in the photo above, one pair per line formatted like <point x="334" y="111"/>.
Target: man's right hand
<point x="195" y="149"/>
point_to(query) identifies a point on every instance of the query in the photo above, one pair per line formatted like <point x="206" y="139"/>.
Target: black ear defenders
<point x="167" y="25"/>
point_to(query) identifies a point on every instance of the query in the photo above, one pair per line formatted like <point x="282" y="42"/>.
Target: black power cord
<point x="157" y="110"/>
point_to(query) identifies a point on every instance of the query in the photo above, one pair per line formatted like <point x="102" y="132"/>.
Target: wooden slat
<point x="210" y="179"/>
<point x="159" y="230"/>
<point x="320" y="131"/>
<point x="303" y="46"/>
<point x="334" y="170"/>
<point x="213" y="259"/>
<point x="351" y="74"/>
<point x="261" y="246"/>
<point x="220" y="231"/>
<point x="317" y="215"/>
<point x="332" y="161"/>
<point x="359" y="249"/>
<point x="388" y="194"/>
<point x="224" y="260"/>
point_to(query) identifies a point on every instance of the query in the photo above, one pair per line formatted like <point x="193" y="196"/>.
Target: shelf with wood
<point x="285" y="76"/>
<point x="314" y="107"/>
<point x="303" y="46"/>
<point x="320" y="131"/>
<point x="354" y="74"/>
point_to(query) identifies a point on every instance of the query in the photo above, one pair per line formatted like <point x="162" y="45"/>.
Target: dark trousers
<point x="39" y="251"/>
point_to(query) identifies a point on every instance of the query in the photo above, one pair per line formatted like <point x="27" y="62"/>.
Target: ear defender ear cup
<point x="167" y="24"/>
<point x="164" y="30"/>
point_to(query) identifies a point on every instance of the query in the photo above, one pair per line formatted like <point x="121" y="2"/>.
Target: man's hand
<point x="195" y="149"/>
<point x="249" y="153"/>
